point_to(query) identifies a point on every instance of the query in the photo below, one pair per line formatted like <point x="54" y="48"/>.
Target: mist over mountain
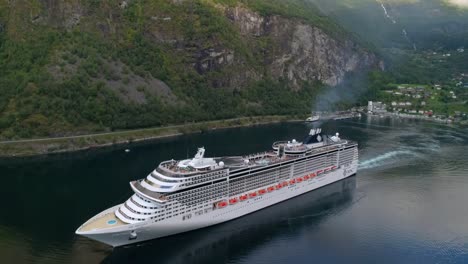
<point x="405" y="24"/>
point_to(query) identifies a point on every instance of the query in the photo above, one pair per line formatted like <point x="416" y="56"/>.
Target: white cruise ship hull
<point x="148" y="230"/>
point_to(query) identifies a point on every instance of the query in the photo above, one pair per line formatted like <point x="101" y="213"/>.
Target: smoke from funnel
<point x="347" y="93"/>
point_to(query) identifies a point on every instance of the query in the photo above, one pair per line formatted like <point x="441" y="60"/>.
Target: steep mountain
<point x="404" y="24"/>
<point x="75" y="66"/>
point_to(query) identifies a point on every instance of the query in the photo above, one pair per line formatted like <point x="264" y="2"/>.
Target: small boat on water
<point x="313" y="118"/>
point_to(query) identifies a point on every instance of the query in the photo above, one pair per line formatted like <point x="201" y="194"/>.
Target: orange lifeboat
<point x="306" y="177"/>
<point x="279" y="186"/>
<point x="233" y="201"/>
<point x="319" y="171"/>
<point x="293" y="181"/>
<point x="251" y="195"/>
<point x="285" y="183"/>
<point x="270" y="189"/>
<point x="299" y="180"/>
<point x="333" y="168"/>
<point x="312" y="175"/>
<point x="243" y="197"/>
<point x="222" y="204"/>
<point x="261" y="192"/>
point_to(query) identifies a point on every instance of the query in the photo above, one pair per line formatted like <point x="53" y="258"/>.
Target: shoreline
<point x="420" y="117"/>
<point x="45" y="146"/>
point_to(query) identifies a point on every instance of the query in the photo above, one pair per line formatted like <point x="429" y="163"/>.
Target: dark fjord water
<point x="408" y="203"/>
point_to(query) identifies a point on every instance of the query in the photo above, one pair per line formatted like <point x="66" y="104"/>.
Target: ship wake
<point x="386" y="159"/>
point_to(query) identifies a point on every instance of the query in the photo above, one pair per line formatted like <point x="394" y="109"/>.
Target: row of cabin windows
<point x="129" y="217"/>
<point x="212" y="197"/>
<point x="141" y="213"/>
<point x="143" y="198"/>
<point x="253" y="183"/>
<point x="204" y="195"/>
<point x="194" y="191"/>
<point x="205" y="178"/>
<point x="208" y="176"/>
<point x="347" y="156"/>
<point x="140" y="205"/>
<point x="180" y="211"/>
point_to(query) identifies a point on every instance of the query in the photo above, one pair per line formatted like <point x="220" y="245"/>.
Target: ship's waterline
<point x="180" y="196"/>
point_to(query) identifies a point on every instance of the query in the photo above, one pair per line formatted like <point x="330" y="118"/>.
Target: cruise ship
<point x="180" y="196"/>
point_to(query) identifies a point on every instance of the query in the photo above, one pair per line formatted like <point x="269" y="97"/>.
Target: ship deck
<point x="102" y="222"/>
<point x="252" y="160"/>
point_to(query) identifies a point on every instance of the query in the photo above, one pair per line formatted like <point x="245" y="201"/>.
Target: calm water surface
<point x="408" y="203"/>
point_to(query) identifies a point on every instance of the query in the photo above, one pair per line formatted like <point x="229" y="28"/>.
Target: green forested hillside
<point x="75" y="66"/>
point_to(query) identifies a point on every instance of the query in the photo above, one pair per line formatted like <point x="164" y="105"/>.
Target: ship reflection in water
<point x="238" y="238"/>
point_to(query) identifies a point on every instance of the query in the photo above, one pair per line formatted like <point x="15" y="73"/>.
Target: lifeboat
<point x="285" y="183"/>
<point x="319" y="171"/>
<point x="327" y="169"/>
<point x="293" y="181"/>
<point x="222" y="204"/>
<point x="261" y="192"/>
<point x="233" y="201"/>
<point x="333" y="168"/>
<point x="251" y="195"/>
<point x="312" y="175"/>
<point x="279" y="186"/>
<point x="306" y="177"/>
<point x="270" y="189"/>
<point x="243" y="197"/>
<point x="299" y="180"/>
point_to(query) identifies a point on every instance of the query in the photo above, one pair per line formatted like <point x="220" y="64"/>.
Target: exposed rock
<point x="38" y="19"/>
<point x="249" y="22"/>
<point x="213" y="59"/>
<point x="123" y="4"/>
<point x="129" y="86"/>
<point x="66" y="14"/>
<point x="299" y="51"/>
<point x="134" y="88"/>
<point x="72" y="21"/>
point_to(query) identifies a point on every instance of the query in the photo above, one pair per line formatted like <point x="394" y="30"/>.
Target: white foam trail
<point x="381" y="159"/>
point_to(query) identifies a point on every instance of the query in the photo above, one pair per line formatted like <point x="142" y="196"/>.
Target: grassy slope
<point x="35" y="103"/>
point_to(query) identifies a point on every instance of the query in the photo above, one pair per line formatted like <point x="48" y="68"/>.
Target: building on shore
<point x="376" y="107"/>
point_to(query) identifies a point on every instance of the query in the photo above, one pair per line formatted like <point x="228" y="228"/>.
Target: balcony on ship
<point x="155" y="196"/>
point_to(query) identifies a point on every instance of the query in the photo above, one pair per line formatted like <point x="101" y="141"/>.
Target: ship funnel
<point x="200" y="153"/>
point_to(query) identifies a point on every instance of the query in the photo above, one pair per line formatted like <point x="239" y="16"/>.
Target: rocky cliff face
<point x="282" y="47"/>
<point x="301" y="52"/>
<point x="123" y="64"/>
